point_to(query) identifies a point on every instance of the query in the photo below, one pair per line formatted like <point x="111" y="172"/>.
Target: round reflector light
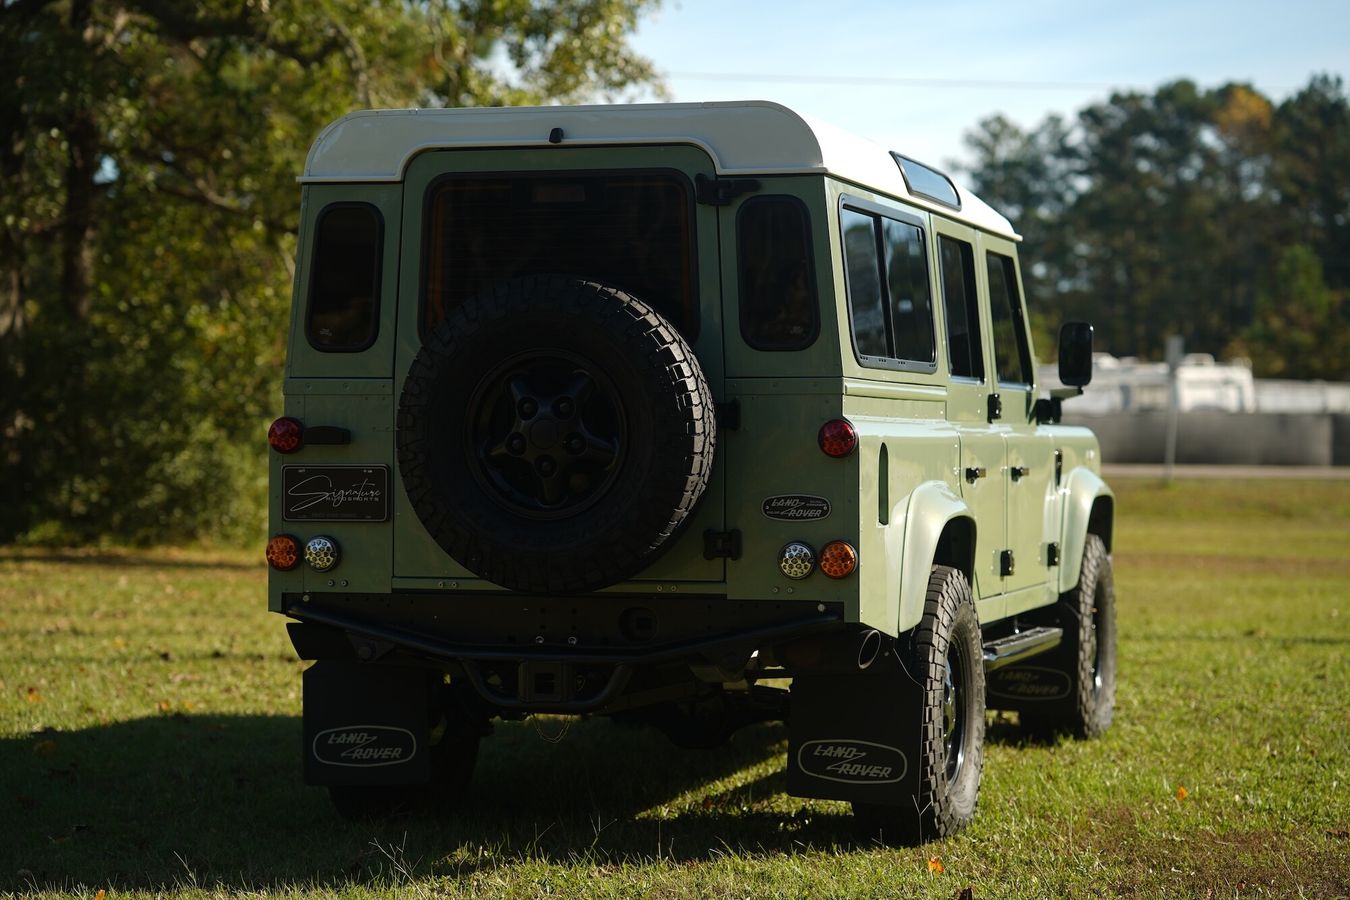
<point x="321" y="553"/>
<point x="283" y="552"/>
<point x="797" y="560"/>
<point x="285" y="435"/>
<point x="837" y="438"/>
<point x="838" y="559"/>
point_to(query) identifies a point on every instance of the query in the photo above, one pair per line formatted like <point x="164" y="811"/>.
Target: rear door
<point x="625" y="216"/>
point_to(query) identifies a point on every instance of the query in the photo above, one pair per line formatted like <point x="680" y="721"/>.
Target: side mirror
<point x="1075" y="354"/>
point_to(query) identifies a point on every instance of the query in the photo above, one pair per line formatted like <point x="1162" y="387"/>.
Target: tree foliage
<point x="1187" y="211"/>
<point x="148" y="150"/>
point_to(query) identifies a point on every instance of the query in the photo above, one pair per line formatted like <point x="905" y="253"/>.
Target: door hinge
<point x="1059" y="466"/>
<point x="721" y="191"/>
<point x="995" y="407"/>
<point x="975" y="473"/>
<point x="1005" y="563"/>
<point x="729" y="415"/>
<point x="1052" y="555"/>
<point x="722" y="544"/>
<point x="1019" y="472"/>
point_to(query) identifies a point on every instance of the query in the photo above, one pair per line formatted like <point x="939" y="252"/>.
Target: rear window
<point x="632" y="231"/>
<point x="344" y="294"/>
<point x="777" y="283"/>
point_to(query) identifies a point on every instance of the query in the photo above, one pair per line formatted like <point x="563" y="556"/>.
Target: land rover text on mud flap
<point x="645" y="411"/>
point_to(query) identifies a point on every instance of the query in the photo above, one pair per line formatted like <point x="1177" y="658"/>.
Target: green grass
<point x="150" y="743"/>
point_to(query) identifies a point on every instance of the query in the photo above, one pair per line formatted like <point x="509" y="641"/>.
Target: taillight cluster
<point x="321" y="552"/>
<point x="837" y="559"/>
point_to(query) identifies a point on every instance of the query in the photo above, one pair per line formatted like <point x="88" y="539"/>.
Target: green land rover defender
<point x="694" y="415"/>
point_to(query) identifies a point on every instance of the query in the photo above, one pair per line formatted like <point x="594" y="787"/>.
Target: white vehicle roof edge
<point x="755" y="137"/>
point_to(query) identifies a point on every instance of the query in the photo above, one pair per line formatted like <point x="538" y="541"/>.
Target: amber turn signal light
<point x="838" y="559"/>
<point x="283" y="552"/>
<point x="285" y="435"/>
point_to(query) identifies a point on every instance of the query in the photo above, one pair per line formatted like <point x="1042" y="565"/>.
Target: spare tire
<point x="554" y="433"/>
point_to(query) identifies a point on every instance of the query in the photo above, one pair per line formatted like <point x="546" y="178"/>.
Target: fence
<point x="1223" y="438"/>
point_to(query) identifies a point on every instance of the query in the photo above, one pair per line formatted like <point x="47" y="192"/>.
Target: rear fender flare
<point x="929" y="509"/>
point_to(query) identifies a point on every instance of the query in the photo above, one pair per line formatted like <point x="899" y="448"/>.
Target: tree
<point x="1302" y="327"/>
<point x="147" y="215"/>
<point x="1168" y="213"/>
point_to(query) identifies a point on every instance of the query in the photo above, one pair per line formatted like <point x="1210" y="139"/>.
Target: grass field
<point x="150" y="732"/>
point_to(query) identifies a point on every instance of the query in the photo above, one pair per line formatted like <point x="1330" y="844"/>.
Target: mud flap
<point x="855" y="737"/>
<point x="367" y="724"/>
<point x="1044" y="684"/>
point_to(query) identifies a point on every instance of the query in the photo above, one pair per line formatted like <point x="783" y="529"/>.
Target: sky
<point x="915" y="77"/>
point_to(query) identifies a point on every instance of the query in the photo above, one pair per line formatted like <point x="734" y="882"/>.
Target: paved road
<point x="1316" y="473"/>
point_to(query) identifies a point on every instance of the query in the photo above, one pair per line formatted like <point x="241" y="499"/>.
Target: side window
<point x="890" y="302"/>
<point x="777" y="282"/>
<point x="907" y="281"/>
<point x="863" y="267"/>
<point x="965" y="350"/>
<point x="344" y="284"/>
<point x="1012" y="356"/>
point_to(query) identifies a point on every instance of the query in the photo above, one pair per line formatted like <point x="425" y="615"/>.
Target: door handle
<point x="973" y="474"/>
<point x="1019" y="472"/>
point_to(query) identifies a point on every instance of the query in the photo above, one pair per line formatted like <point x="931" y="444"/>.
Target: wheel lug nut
<point x="575" y="443"/>
<point x="546" y="466"/>
<point x="527" y="408"/>
<point x="564" y="407"/>
<point x="516" y="443"/>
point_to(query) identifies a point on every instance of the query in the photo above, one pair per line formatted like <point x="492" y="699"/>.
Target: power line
<point x="881" y="81"/>
<point x="875" y="81"/>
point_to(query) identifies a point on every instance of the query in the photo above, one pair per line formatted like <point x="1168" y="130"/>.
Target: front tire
<point x="945" y="663"/>
<point x="1088" y="655"/>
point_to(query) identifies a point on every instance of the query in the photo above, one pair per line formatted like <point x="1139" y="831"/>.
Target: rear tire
<point x="946" y="668"/>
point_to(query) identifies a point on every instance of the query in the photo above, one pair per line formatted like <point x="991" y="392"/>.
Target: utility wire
<point x="882" y="81"/>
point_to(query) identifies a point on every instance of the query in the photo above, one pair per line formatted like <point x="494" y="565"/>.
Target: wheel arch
<point x="1089" y="508"/>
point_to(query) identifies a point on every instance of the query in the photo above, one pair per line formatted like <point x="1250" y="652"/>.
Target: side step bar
<point x="1021" y="646"/>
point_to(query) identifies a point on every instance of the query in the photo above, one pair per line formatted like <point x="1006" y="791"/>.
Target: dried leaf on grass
<point x="1182" y="793"/>
<point x="935" y="865"/>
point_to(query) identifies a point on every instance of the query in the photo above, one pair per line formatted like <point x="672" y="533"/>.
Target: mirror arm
<point x="1064" y="393"/>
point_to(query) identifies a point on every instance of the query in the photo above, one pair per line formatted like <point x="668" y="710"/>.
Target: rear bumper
<point x="569" y="655"/>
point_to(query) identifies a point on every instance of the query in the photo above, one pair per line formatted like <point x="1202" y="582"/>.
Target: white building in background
<point x="1128" y="385"/>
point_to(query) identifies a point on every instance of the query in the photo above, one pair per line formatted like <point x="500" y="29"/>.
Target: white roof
<point x="742" y="138"/>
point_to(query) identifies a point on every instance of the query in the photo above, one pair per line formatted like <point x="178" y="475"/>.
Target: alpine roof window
<point x="890" y="304"/>
<point x="344" y="284"/>
<point x="1012" y="353"/>
<point x="777" y="281"/>
<point x="925" y="181"/>
<point x="630" y="230"/>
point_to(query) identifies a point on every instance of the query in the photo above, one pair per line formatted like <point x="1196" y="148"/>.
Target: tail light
<point x="838" y="559"/>
<point x="797" y="560"/>
<point x="837" y="438"/>
<point x="283" y="552"/>
<point x="322" y="553"/>
<point x="285" y="435"/>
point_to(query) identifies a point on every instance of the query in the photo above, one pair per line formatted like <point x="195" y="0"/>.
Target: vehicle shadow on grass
<point x="182" y="800"/>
